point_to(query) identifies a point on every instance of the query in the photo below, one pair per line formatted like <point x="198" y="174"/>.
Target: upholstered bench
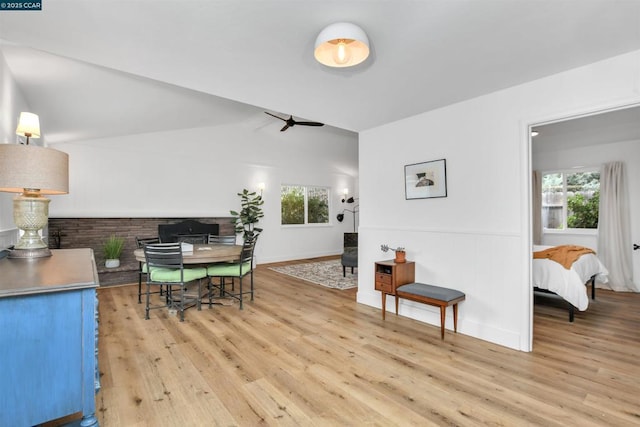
<point x="432" y="295"/>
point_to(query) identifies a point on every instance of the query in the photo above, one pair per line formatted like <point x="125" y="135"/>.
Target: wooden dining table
<point x="204" y="254"/>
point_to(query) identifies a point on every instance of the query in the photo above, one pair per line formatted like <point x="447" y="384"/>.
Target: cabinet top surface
<point x="65" y="269"/>
<point x="392" y="262"/>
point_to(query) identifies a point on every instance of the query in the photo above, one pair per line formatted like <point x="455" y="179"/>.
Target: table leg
<point x="384" y="304"/>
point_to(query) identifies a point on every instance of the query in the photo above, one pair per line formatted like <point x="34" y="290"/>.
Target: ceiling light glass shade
<point x="342" y="44"/>
<point x="32" y="171"/>
<point x="28" y="125"/>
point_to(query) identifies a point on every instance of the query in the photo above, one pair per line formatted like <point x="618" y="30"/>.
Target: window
<point x="570" y="200"/>
<point x="301" y="204"/>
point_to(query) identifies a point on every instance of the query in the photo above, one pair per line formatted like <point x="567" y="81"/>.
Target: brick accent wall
<point x="68" y="233"/>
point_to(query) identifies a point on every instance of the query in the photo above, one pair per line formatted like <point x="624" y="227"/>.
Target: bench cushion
<point x="430" y="291"/>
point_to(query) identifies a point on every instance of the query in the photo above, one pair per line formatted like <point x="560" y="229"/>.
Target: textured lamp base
<point x="30" y="253"/>
<point x="30" y="214"/>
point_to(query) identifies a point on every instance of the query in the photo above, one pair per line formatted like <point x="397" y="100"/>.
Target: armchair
<point x="350" y="252"/>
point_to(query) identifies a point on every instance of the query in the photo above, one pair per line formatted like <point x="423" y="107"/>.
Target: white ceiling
<point x="93" y="69"/>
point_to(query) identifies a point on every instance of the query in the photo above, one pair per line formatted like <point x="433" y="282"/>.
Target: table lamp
<point x="32" y="172"/>
<point x="28" y="125"/>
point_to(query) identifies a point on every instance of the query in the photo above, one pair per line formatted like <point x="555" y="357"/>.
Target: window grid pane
<point x="583" y="198"/>
<point x="317" y="205"/>
<point x="570" y="200"/>
<point x="553" y="201"/>
<point x="292" y="204"/>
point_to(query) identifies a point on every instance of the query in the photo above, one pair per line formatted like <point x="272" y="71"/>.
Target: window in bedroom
<point x="300" y="204"/>
<point x="570" y="200"/>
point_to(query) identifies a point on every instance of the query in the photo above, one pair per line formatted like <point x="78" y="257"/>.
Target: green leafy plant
<point x="584" y="211"/>
<point x="245" y="221"/>
<point x="112" y="247"/>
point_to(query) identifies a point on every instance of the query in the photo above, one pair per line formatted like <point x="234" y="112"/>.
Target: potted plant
<point x="112" y="249"/>
<point x="249" y="215"/>
<point x="401" y="255"/>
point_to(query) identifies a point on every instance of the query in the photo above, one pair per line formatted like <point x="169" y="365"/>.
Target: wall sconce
<point x="345" y="193"/>
<point x="261" y="187"/>
<point x="342" y="44"/>
<point x="28" y="125"/>
<point x="33" y="172"/>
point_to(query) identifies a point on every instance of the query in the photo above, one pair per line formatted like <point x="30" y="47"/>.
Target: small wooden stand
<point x="389" y="275"/>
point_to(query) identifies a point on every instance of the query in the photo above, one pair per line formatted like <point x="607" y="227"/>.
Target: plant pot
<point x="112" y="263"/>
<point x="400" y="257"/>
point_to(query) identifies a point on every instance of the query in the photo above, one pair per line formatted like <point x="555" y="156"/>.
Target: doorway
<point x="588" y="141"/>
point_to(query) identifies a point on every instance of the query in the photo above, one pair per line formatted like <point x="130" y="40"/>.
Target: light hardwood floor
<point x="304" y="355"/>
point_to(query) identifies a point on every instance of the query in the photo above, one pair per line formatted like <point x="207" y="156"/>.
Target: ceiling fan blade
<point x="291" y="122"/>
<point x="310" y="123"/>
<point x="277" y="117"/>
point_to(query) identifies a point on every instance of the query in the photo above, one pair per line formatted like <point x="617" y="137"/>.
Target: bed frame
<point x="572" y="309"/>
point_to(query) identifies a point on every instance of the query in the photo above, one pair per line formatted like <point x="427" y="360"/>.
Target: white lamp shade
<point x="28" y="125"/>
<point x="342" y="44"/>
<point x="32" y="167"/>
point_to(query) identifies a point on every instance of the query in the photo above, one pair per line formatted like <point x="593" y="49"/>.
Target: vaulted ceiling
<point x="102" y="68"/>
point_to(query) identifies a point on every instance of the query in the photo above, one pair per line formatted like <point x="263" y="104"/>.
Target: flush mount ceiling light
<point x="342" y="44"/>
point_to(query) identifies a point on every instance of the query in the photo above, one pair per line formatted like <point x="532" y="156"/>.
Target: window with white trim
<point x="304" y="204"/>
<point x="570" y="199"/>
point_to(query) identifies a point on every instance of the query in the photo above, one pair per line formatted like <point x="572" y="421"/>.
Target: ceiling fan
<point x="290" y="122"/>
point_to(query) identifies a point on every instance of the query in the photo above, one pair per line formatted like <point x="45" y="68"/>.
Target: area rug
<point x="324" y="273"/>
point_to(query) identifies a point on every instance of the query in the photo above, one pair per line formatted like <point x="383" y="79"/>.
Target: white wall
<point x="198" y="172"/>
<point x="477" y="239"/>
<point x="12" y="102"/>
<point x="625" y="151"/>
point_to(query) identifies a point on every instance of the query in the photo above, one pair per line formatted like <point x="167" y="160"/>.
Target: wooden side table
<point x="389" y="275"/>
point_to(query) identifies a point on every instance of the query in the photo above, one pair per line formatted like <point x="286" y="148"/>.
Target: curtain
<point x="536" y="206"/>
<point x="614" y="231"/>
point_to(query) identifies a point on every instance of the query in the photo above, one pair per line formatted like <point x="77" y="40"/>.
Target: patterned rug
<point x="325" y="273"/>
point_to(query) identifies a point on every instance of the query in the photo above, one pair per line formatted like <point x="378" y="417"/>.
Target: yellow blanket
<point x="563" y="254"/>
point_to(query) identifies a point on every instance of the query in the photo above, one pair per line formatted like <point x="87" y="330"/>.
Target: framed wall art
<point x="426" y="180"/>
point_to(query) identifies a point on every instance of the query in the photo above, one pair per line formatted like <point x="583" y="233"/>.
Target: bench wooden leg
<point x="455" y="317"/>
<point x="443" y="312"/>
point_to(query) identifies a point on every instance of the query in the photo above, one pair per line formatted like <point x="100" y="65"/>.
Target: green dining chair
<point x="165" y="268"/>
<point x="236" y="270"/>
<point x="142" y="266"/>
<point x="221" y="240"/>
<point x="215" y="239"/>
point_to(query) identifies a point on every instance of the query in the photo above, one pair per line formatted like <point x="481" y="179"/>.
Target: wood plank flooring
<point x="304" y="355"/>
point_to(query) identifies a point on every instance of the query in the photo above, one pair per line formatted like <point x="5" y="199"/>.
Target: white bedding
<point x="569" y="284"/>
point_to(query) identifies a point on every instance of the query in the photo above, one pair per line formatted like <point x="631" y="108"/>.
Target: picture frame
<point x="426" y="180"/>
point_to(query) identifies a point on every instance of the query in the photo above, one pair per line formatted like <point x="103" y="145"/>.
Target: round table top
<point x="203" y="254"/>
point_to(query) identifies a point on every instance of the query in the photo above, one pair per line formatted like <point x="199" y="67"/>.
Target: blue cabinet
<point x="48" y="338"/>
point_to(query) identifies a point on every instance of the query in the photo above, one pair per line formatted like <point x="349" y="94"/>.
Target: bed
<point x="571" y="284"/>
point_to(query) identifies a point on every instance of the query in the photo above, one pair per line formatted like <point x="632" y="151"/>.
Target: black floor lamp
<point x="354" y="211"/>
